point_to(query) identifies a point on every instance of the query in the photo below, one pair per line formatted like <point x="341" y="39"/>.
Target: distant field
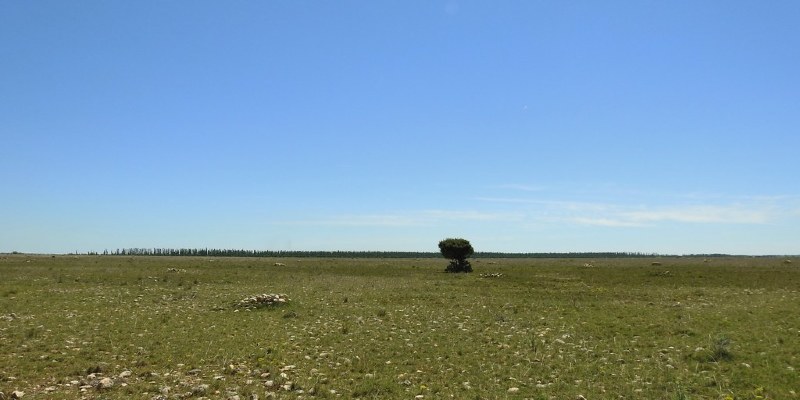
<point x="166" y="328"/>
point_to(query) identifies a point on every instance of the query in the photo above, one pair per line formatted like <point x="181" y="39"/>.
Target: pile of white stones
<point x="8" y="317"/>
<point x="261" y="300"/>
<point x="491" y="275"/>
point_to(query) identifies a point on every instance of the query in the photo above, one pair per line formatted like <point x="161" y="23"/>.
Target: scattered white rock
<point x="200" y="390"/>
<point x="9" y="317"/>
<point x="105" y="383"/>
<point x="17" y="394"/>
<point x="125" y="374"/>
<point x="513" y="390"/>
<point x="261" y="300"/>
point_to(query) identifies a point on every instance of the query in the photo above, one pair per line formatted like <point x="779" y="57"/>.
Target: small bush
<point x="717" y="351"/>
<point x="720" y="349"/>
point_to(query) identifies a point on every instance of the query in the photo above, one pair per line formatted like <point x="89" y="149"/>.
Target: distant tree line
<point x="265" y="253"/>
<point x="206" y="252"/>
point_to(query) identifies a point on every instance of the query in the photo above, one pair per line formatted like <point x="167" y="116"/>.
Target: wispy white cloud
<point x="558" y="204"/>
<point x="626" y="216"/>
<point x="531" y="212"/>
<point x="609" y="222"/>
<point x="716" y="209"/>
<point x="702" y="214"/>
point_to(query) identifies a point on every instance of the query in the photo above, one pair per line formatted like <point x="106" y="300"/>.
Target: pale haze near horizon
<point x="666" y="127"/>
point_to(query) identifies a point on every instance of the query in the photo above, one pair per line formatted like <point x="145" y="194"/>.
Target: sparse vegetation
<point x="113" y="328"/>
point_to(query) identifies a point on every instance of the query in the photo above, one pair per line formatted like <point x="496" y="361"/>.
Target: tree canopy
<point x="457" y="250"/>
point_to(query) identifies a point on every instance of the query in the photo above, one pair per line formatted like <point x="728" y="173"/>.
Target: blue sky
<point x="523" y="126"/>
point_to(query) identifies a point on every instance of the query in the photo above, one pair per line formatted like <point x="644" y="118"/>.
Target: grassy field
<point x="99" y="327"/>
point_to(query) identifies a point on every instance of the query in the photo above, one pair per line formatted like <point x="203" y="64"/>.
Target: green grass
<point x="553" y="329"/>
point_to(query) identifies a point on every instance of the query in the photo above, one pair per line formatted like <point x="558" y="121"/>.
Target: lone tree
<point x="457" y="250"/>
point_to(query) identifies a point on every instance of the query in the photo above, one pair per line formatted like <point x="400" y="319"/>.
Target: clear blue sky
<point x="523" y="126"/>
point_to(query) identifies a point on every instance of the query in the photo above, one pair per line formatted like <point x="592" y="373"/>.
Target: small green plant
<point x="720" y="348"/>
<point x="374" y="388"/>
<point x="680" y="393"/>
<point x="31" y="333"/>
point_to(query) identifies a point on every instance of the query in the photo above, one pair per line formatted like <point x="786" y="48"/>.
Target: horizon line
<point x="197" y="252"/>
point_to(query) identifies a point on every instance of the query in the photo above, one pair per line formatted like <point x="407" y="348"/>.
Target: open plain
<point x="115" y="327"/>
